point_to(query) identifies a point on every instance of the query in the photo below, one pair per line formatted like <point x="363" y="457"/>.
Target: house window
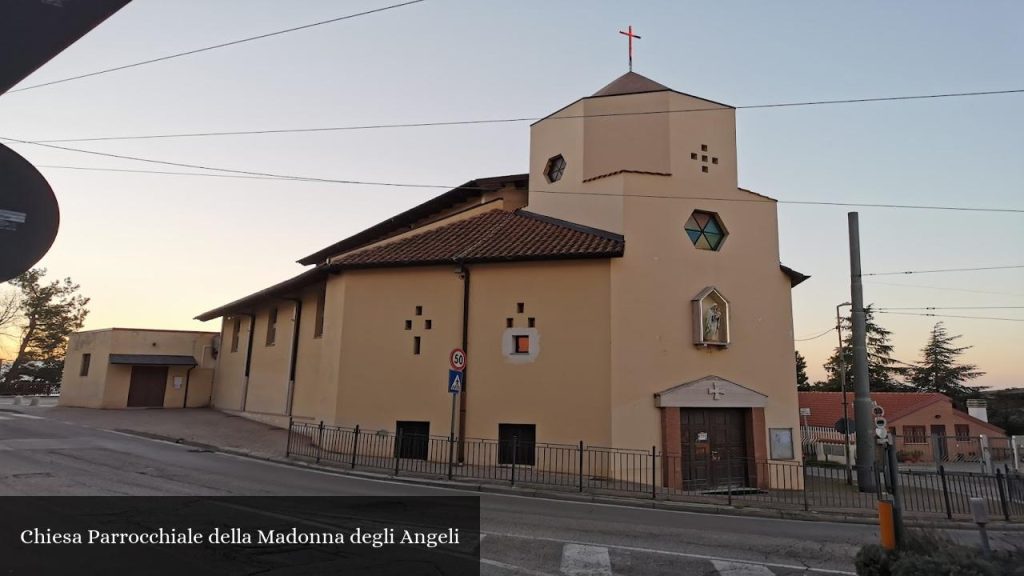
<point x="236" y="328"/>
<point x="705" y="230"/>
<point x="521" y="344"/>
<point x="915" y="435"/>
<point x="963" y="432"/>
<point x="272" y="327"/>
<point x="86" y="359"/>
<point x="517" y="443"/>
<point x="321" y="303"/>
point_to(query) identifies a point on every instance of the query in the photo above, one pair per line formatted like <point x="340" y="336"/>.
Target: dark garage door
<point x="147" y="386"/>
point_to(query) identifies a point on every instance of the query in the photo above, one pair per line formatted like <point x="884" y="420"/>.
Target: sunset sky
<point x="154" y="250"/>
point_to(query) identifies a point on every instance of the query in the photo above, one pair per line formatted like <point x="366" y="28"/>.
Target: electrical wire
<point x="513" y="120"/>
<point x="1011" y="267"/>
<point x="958" y="308"/>
<point x="876" y="282"/>
<point x="522" y="119"/>
<point x="272" y="176"/>
<point x="953" y="316"/>
<point x="215" y="46"/>
<point x="830" y="330"/>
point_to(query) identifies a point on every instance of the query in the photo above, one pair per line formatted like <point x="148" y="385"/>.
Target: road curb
<point x="530" y="492"/>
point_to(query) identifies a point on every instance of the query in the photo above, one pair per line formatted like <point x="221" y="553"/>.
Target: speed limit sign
<point x="457" y="359"/>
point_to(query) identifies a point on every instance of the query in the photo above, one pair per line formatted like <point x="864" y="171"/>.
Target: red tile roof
<point x="495" y="236"/>
<point x="827" y="407"/>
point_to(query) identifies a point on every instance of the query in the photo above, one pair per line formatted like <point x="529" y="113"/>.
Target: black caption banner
<point x="240" y="535"/>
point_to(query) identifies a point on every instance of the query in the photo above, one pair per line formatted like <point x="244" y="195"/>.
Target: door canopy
<point x="710" y="392"/>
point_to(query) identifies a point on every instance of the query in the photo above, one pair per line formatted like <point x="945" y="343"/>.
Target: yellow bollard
<point x="886" y="525"/>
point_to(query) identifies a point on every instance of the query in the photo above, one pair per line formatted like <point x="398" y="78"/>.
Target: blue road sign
<point x="455" y="380"/>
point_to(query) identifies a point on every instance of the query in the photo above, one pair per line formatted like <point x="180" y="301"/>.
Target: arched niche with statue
<point x="711" y="319"/>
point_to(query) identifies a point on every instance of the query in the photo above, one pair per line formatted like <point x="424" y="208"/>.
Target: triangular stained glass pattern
<point x="693" y="234"/>
<point x="691" y="224"/>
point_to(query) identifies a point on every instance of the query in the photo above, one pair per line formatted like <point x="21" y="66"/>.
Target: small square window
<point x="419" y="310"/>
<point x="693" y="155"/>
<point x="703" y="147"/>
<point x="704" y="158"/>
<point x="714" y="160"/>
<point x="428" y="324"/>
<point x="704" y="169"/>
<point x="408" y="324"/>
<point x="522" y="344"/>
<point x="520" y="307"/>
<point x="532" y="322"/>
<point x="508" y="322"/>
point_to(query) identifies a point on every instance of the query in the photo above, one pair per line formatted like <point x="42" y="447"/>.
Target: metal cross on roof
<point x="631" y="36"/>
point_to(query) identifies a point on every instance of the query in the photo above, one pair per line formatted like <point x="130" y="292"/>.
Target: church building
<point x="625" y="292"/>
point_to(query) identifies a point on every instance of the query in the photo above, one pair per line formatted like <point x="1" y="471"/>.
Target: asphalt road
<point x="522" y="535"/>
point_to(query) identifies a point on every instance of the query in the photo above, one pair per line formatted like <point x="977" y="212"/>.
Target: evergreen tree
<point x="802" y="382"/>
<point x="938" y="370"/>
<point x="884" y="371"/>
<point x="47" y="314"/>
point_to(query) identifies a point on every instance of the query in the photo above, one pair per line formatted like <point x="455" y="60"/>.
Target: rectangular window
<point x="86" y="359"/>
<point x="915" y="435"/>
<point x="321" y="303"/>
<point x="963" y="432"/>
<point x="272" y="327"/>
<point x="517" y="444"/>
<point x="236" y="329"/>
<point x="416" y="345"/>
<point x="522" y="344"/>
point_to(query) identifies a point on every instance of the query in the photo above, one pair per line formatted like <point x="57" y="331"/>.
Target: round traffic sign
<point x="457" y="359"/>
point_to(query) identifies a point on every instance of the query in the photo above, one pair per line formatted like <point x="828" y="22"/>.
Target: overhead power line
<point x="215" y="46"/>
<point x="953" y="316"/>
<point x="830" y="330"/>
<point x="430" y="124"/>
<point x="1012" y="267"/>
<point x="942" y="288"/>
<point x="294" y="178"/>
<point x="958" y="308"/>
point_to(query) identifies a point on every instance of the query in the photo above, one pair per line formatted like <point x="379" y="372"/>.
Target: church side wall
<point x="229" y="377"/>
<point x="268" y="375"/>
<point x="564" y="388"/>
<point x="313" y="397"/>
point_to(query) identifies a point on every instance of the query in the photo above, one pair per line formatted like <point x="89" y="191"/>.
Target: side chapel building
<point x="626" y="292"/>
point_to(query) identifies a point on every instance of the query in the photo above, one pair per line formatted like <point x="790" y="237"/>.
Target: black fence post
<point x="451" y="453"/>
<point x="515" y="448"/>
<point x="288" y="443"/>
<point x="728" y="467"/>
<point x="320" y="442"/>
<point x="355" y="445"/>
<point x="945" y="492"/>
<point x="803" y="472"/>
<point x="398" y="450"/>
<point x="581" y="465"/>
<point x="1002" y="494"/>
<point x="654" y="472"/>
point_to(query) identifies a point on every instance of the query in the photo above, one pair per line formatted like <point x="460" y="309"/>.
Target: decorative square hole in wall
<point x="428" y="324"/>
<point x="705" y="161"/>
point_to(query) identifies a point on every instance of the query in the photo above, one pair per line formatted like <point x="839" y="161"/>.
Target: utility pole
<point x="862" y="408"/>
<point x="846" y="402"/>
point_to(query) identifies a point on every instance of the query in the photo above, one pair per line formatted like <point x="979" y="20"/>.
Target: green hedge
<point x="931" y="554"/>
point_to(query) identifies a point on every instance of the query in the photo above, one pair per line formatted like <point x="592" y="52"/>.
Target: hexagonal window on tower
<point x="705" y="230"/>
<point x="555" y="168"/>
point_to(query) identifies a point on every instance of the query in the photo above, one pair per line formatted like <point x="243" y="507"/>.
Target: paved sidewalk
<point x="201" y="426"/>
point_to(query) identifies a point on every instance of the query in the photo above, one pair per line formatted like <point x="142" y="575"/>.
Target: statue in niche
<point x="710" y="318"/>
<point x="712" y="324"/>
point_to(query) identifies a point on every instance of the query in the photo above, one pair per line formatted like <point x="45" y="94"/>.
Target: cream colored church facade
<point x="626" y="293"/>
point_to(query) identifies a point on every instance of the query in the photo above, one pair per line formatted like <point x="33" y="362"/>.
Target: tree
<point x="802" y="382"/>
<point x="938" y="370"/>
<point x="884" y="371"/>
<point x="47" y="314"/>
